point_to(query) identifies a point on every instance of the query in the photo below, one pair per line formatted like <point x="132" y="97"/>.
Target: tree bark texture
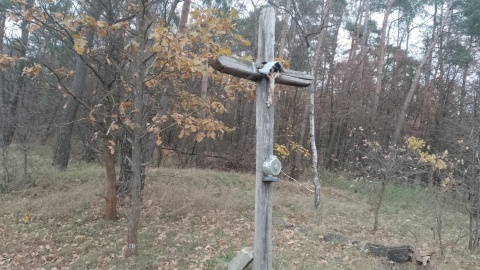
<point x="125" y="175"/>
<point x="63" y="143"/>
<point x="201" y="146"/>
<point x="381" y="60"/>
<point x="379" y="205"/>
<point x="297" y="156"/>
<point x="283" y="35"/>
<point x="139" y="103"/>
<point x="3" y="18"/>
<point x="313" y="90"/>
<point x="184" y="16"/>
<point x="11" y="97"/>
<point x="124" y="187"/>
<point x="313" y="145"/>
<point x="111" y="197"/>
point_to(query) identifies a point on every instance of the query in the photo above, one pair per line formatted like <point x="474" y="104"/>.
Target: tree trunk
<point x="463" y="89"/>
<point x="184" y="16"/>
<point x="125" y="176"/>
<point x="313" y="90"/>
<point x="62" y="146"/>
<point x="379" y="205"/>
<point x="439" y="217"/>
<point x="329" y="85"/>
<point x="3" y="90"/>
<point x="200" y="148"/>
<point x="139" y="103"/>
<point x="283" y="35"/>
<point x="297" y="164"/>
<point x="281" y="48"/>
<point x="11" y="97"/>
<point x="316" y="181"/>
<point x="416" y="79"/>
<point x="381" y="60"/>
<point x="3" y="18"/>
<point x="111" y="197"/>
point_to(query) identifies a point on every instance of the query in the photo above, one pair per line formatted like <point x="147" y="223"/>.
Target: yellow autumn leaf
<point x="246" y="43"/>
<point x="199" y="137"/>
<point x="111" y="147"/>
<point x="158" y="142"/>
<point x="79" y="44"/>
<point x="25" y="219"/>
<point x="13" y="17"/>
<point x="101" y="32"/>
<point x="90" y="114"/>
<point x="121" y="25"/>
<point x="129" y="123"/>
<point x="151" y="83"/>
<point x="131" y="47"/>
<point x="57" y="15"/>
<point x="281" y="150"/>
<point x="90" y="20"/>
<point x="32" y="27"/>
<point x="211" y="135"/>
<point x="35" y="70"/>
<point x="102" y="24"/>
<point x="218" y="107"/>
<point x="7" y="61"/>
<point x="124" y="106"/>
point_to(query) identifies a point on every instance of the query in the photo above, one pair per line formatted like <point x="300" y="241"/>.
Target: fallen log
<point x="399" y="254"/>
<point x="396" y="254"/>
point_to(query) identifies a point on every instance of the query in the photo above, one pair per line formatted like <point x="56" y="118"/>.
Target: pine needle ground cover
<point x="199" y="219"/>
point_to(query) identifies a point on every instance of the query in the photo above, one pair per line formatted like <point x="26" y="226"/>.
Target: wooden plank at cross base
<point x="248" y="70"/>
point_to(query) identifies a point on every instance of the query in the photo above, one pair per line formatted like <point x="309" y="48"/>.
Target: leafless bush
<point x="9" y="171"/>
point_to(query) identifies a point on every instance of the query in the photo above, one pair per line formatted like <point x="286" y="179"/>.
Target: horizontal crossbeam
<point x="248" y="70"/>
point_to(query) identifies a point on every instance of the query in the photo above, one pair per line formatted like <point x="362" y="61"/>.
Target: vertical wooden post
<point x="262" y="258"/>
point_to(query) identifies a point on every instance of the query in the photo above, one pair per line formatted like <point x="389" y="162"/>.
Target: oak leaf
<point x="124" y="106"/>
<point x="199" y="137"/>
<point x="158" y="142"/>
<point x="79" y="44"/>
<point x="111" y="147"/>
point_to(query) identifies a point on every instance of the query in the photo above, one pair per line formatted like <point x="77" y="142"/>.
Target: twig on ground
<point x="300" y="184"/>
<point x="100" y="195"/>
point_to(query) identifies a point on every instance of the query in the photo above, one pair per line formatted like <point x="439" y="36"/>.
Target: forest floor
<point x="199" y="219"/>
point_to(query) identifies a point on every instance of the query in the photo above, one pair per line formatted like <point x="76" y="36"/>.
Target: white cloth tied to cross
<point x="272" y="70"/>
<point x="271" y="87"/>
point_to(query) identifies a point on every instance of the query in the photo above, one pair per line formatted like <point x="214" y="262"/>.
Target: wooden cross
<point x="262" y="258"/>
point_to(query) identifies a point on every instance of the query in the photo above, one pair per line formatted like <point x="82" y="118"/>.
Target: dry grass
<point x="194" y="219"/>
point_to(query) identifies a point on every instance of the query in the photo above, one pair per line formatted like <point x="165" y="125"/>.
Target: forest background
<point x="127" y="84"/>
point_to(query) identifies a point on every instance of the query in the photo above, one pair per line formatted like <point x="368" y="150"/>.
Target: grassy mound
<point x="197" y="219"/>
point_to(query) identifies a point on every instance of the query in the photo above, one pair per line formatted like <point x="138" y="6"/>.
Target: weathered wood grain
<point x="262" y="246"/>
<point x="248" y="70"/>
